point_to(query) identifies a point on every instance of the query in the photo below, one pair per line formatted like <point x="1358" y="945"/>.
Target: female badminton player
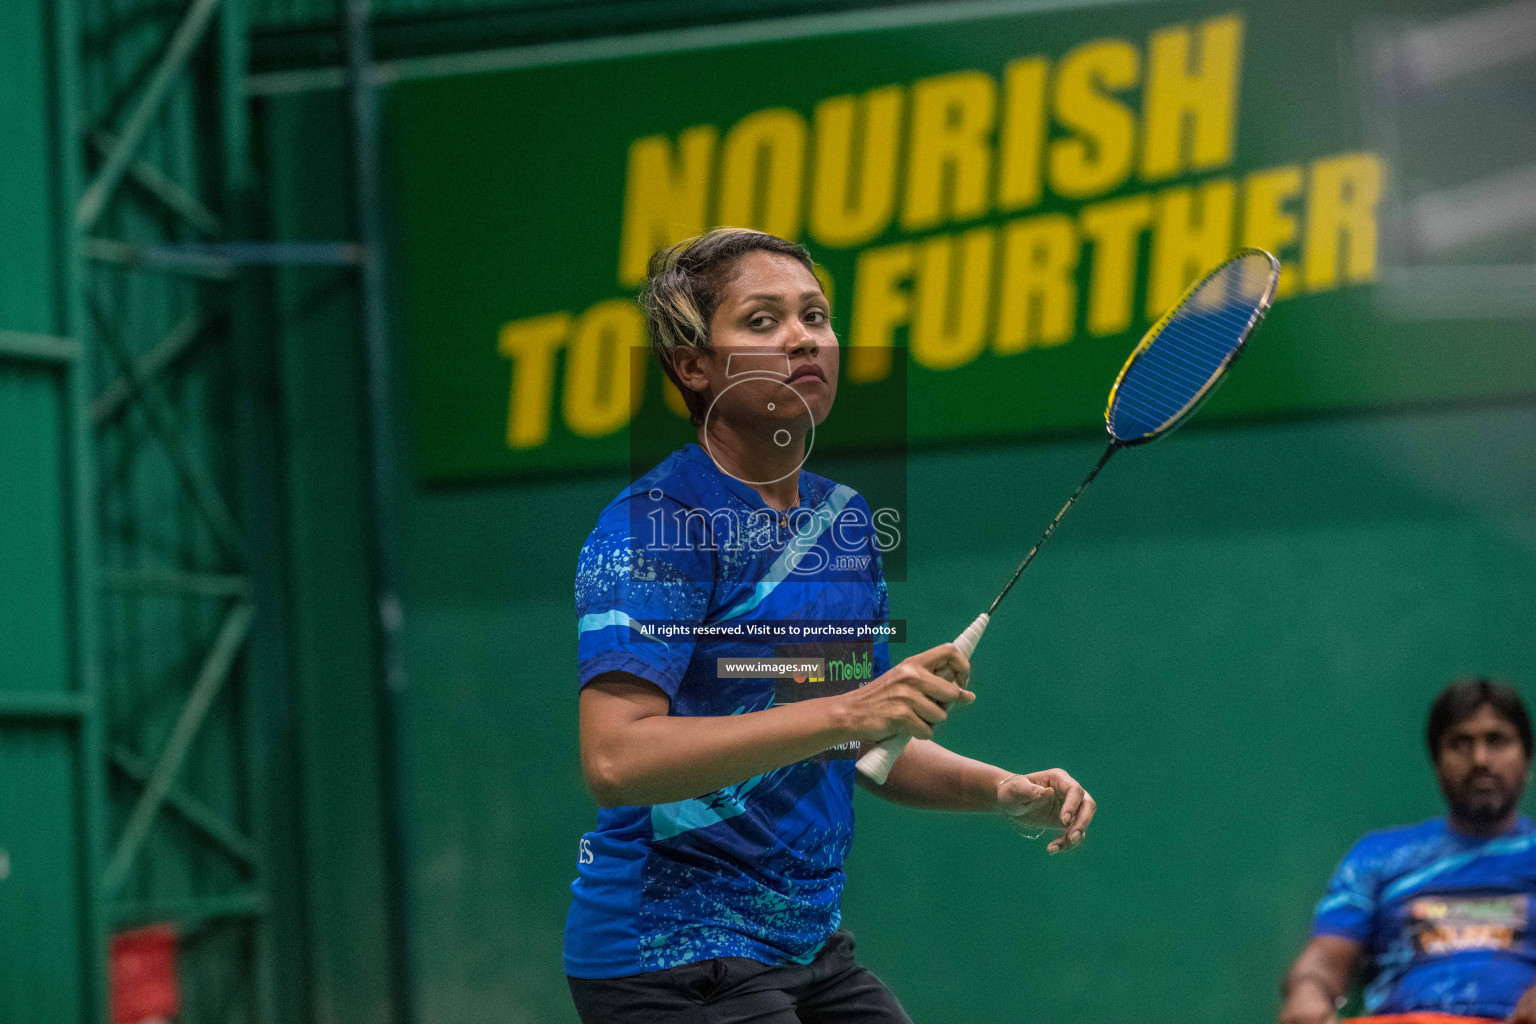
<point x="710" y="890"/>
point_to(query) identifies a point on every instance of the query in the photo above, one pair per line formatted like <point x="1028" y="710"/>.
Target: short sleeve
<point x="1348" y="907"/>
<point x="628" y="593"/>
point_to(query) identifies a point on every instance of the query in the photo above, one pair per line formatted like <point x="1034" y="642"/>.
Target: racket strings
<point x="1165" y="381"/>
<point x="1191" y="349"/>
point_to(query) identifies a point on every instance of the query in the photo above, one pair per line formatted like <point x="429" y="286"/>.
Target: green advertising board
<point x="1001" y="199"/>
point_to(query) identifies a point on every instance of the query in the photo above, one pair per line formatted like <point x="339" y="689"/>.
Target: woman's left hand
<point x="1049" y="799"/>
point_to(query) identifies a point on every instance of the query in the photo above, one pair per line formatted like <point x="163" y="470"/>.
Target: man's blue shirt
<point x="1444" y="918"/>
<point x="754" y="869"/>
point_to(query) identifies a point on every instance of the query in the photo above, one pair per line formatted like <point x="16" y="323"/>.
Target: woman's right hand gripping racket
<point x="1175" y="368"/>
<point x="877" y="763"/>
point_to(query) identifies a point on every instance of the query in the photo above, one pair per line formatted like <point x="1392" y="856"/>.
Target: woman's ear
<point x="688" y="364"/>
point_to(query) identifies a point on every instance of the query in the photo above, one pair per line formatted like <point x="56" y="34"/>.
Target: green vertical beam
<point x="384" y="497"/>
<point x="266" y="669"/>
<point x="253" y="625"/>
<point x="92" y="771"/>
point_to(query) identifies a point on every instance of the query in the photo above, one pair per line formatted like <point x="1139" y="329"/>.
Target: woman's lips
<point x="808" y="373"/>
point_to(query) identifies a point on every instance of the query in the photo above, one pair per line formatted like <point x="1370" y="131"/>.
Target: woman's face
<point x="772" y="369"/>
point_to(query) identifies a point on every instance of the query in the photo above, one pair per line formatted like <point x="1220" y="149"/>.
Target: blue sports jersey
<point x="1443" y="917"/>
<point x="755" y="869"/>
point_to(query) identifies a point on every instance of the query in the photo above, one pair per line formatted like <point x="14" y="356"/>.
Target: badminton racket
<point x="1174" y="369"/>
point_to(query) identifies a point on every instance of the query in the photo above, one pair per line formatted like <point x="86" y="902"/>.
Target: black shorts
<point x="832" y="989"/>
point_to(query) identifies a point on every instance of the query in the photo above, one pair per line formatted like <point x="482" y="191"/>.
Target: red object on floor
<point x="143" y="973"/>
<point x="1419" y="1018"/>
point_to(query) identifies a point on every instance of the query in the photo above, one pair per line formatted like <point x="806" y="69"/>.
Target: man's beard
<point x="1483" y="808"/>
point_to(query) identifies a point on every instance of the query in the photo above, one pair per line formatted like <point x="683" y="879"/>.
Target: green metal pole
<point x="192" y="915"/>
<point x="44" y="704"/>
<point x="266" y="670"/>
<point x="383" y="480"/>
<point x="92" y="773"/>
<point x="178" y="582"/>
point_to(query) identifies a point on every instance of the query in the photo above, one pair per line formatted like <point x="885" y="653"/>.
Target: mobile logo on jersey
<point x="1443" y="924"/>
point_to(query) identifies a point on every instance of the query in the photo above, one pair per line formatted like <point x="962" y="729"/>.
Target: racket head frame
<point x="1266" y="299"/>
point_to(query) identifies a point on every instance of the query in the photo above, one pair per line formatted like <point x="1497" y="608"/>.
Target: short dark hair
<point x="1468" y="695"/>
<point x="683" y="288"/>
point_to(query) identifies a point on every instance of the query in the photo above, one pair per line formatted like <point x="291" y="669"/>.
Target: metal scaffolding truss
<point x="182" y="624"/>
<point x="153" y="111"/>
<point x="138" y="412"/>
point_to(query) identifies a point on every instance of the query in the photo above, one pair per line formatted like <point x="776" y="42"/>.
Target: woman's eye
<point x="816" y="316"/>
<point x="760" y="321"/>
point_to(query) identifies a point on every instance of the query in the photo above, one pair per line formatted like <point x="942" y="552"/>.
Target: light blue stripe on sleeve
<point x="602" y="620"/>
<point x="1346" y="899"/>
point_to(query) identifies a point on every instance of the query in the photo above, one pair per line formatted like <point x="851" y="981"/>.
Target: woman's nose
<point x="802" y="339"/>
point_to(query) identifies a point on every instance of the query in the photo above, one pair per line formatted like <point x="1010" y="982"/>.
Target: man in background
<point x="1437" y="915"/>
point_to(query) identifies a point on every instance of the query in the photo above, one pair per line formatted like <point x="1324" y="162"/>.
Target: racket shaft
<point x="1103" y="460"/>
<point x="876" y="765"/>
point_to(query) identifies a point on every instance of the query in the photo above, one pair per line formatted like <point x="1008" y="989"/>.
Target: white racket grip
<point x="877" y="764"/>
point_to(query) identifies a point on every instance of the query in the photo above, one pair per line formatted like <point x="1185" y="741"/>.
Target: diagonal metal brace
<point x="194" y="477"/>
<point x="162" y="354"/>
<point x="191" y="810"/>
<point x="210" y="681"/>
<point x="185" y="39"/>
<point x="158" y="184"/>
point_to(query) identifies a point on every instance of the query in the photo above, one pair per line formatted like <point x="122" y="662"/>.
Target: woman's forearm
<point x="929" y="776"/>
<point x="663" y="758"/>
<point x="635" y="751"/>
